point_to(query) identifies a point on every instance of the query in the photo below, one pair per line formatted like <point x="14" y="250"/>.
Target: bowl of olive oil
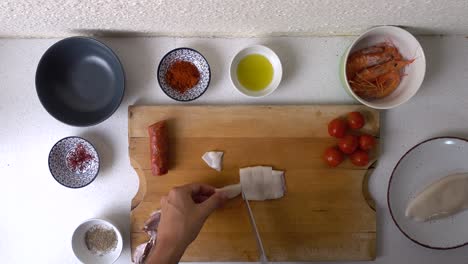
<point x="256" y="71"/>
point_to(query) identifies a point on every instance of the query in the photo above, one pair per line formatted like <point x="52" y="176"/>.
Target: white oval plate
<point x="275" y="62"/>
<point x="82" y="252"/>
<point x="420" y="166"/>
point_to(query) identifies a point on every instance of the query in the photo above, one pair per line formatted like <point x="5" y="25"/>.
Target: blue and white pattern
<point x="63" y="173"/>
<point x="190" y="55"/>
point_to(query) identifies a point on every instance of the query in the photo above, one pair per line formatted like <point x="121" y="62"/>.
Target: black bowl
<point x="80" y="81"/>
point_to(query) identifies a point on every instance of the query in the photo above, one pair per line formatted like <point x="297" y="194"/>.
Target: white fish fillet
<point x="441" y="198"/>
<point x="253" y="181"/>
<point x="262" y="183"/>
<point x="214" y="159"/>
<point x="278" y="186"/>
<point x="258" y="183"/>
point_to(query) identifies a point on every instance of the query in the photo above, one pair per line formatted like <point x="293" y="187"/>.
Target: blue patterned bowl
<point x="190" y="55"/>
<point x="73" y="162"/>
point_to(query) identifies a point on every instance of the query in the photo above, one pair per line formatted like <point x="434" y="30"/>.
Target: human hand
<point x="183" y="213"/>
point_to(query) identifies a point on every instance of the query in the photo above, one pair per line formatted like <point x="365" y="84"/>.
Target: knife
<point x="263" y="258"/>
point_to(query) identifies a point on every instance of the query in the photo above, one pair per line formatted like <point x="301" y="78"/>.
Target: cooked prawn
<point x="388" y="83"/>
<point x="375" y="72"/>
<point x="372" y="49"/>
<point x="383" y="86"/>
<point x="370" y="74"/>
<point x="371" y="56"/>
<point x="390" y="48"/>
<point x="364" y="61"/>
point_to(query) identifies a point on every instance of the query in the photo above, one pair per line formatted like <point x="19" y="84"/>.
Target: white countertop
<point x="39" y="215"/>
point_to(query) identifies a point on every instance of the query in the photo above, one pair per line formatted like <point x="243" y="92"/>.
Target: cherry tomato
<point x="355" y="120"/>
<point x="333" y="157"/>
<point x="348" y="144"/>
<point x="366" y="142"/>
<point x="359" y="158"/>
<point x="337" y="128"/>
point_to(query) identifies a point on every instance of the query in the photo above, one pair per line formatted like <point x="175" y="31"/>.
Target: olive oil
<point x="255" y="72"/>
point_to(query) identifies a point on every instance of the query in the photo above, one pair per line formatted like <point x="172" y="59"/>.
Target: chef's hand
<point x="183" y="213"/>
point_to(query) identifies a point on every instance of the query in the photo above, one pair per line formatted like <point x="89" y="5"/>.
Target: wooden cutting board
<point x="326" y="214"/>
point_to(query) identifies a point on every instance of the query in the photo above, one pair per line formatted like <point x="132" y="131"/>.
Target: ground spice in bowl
<point x="182" y="76"/>
<point x="101" y="239"/>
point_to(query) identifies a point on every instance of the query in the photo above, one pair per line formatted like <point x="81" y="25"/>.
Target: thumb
<point x="163" y="202"/>
<point x="214" y="202"/>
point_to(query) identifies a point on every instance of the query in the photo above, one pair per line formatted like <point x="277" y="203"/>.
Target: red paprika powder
<point x="182" y="76"/>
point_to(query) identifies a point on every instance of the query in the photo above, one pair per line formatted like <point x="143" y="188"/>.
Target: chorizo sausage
<point x="159" y="148"/>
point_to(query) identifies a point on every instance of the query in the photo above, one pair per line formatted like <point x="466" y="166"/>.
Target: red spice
<point x="79" y="158"/>
<point x="182" y="76"/>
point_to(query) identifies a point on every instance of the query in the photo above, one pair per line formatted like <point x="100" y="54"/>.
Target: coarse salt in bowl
<point x="80" y="245"/>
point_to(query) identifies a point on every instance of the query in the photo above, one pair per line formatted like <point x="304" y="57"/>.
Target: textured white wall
<point x="47" y="18"/>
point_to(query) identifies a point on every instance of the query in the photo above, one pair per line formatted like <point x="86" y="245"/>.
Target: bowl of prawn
<point x="383" y="68"/>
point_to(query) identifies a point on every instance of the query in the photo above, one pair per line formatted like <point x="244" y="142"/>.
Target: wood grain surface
<point x="326" y="213"/>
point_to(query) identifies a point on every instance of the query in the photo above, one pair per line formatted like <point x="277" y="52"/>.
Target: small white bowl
<point x="83" y="253"/>
<point x="275" y="62"/>
<point x="408" y="46"/>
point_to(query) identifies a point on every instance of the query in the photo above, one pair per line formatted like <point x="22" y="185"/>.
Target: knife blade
<point x="263" y="258"/>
